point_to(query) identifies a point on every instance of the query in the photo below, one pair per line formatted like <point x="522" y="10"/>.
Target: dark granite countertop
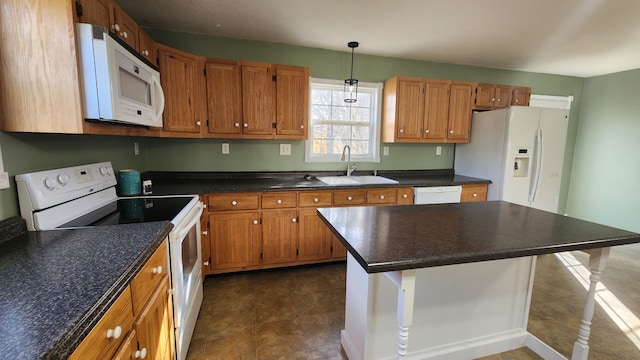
<point x="393" y="238"/>
<point x="56" y="285"/>
<point x="172" y="183"/>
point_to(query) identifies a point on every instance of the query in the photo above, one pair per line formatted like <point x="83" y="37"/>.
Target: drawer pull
<point x="474" y="195"/>
<point x="315" y="200"/>
<point x="295" y="220"/>
<point x="405" y="196"/>
<point x="234" y="203"/>
<point x="349" y="198"/>
<point x="255" y="222"/>
<point x="141" y="354"/>
<point x="279" y="201"/>
<point x="205" y="233"/>
<point x="114" y="333"/>
<point x="157" y="270"/>
<point x="381" y="197"/>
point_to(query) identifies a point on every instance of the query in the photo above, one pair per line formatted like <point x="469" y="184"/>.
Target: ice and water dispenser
<point x="521" y="163"/>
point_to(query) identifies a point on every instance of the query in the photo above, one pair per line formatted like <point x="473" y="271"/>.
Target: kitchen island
<point x="454" y="281"/>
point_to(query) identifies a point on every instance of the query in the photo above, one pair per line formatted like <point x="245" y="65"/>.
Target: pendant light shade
<point x="351" y="84"/>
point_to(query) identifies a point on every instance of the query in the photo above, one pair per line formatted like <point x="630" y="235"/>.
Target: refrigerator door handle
<point x="538" y="166"/>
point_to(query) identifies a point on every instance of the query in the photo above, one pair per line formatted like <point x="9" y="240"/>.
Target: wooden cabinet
<point x="425" y="110"/>
<point x="235" y="240"/>
<point x="140" y="322"/>
<point x="124" y="27"/>
<point x="279" y="236"/>
<point x="315" y="238"/>
<point x="182" y="81"/>
<point x="96" y="12"/>
<point x="520" y="96"/>
<point x="474" y="193"/>
<point x="405" y="196"/>
<point x="492" y="96"/>
<point x="258" y="99"/>
<point x="292" y="102"/>
<point x="384" y="196"/>
<point x="349" y="197"/>
<point x="224" y="98"/>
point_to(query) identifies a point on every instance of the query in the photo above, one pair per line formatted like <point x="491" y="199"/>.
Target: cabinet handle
<point x="498" y="100"/>
<point x="474" y="195"/>
<point x="157" y="270"/>
<point x="141" y="354"/>
<point x="245" y="125"/>
<point x="255" y="222"/>
<point x="405" y="196"/>
<point x="204" y="206"/>
<point x="114" y="333"/>
<point x="426" y="131"/>
<point x="206" y="263"/>
<point x="493" y="99"/>
<point x="381" y="197"/>
<point x="295" y="220"/>
<point x="236" y="124"/>
<point x="450" y="131"/>
<point x="401" y="130"/>
<point x="198" y="123"/>
<point x="125" y="35"/>
<point x="301" y="126"/>
<point x="115" y="27"/>
<point x="315" y="200"/>
<point x="279" y="201"/>
<point x="349" y="198"/>
<point x="234" y="203"/>
<point x="516" y="101"/>
<point x="205" y="233"/>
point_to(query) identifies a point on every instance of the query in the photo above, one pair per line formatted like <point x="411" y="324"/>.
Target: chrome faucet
<point x="350" y="168"/>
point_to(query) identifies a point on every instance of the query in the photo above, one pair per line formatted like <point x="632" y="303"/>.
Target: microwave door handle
<point x="158" y="86"/>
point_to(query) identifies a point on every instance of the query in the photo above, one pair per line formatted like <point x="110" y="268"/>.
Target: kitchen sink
<point x="355" y="180"/>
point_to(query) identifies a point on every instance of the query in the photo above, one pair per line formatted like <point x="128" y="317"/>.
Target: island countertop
<point x="390" y="238"/>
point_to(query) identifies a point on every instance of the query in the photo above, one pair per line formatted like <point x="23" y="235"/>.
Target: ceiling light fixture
<point x="351" y="84"/>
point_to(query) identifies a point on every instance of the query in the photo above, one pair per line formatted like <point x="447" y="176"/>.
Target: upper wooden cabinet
<point x="96" y="12"/>
<point x="182" y="78"/>
<point x="147" y="47"/>
<point x="124" y="27"/>
<point x="256" y="100"/>
<point x="425" y="110"/>
<point x="520" y="96"/>
<point x="492" y="96"/>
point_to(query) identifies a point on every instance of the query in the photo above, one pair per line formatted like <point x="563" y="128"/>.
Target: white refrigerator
<point x="521" y="150"/>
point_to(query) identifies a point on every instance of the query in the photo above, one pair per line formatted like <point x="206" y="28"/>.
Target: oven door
<point x="186" y="275"/>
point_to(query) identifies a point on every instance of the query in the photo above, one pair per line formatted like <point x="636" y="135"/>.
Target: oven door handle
<point x="194" y="216"/>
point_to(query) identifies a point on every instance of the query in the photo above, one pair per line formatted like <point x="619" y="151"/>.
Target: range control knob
<point x="50" y="183"/>
<point x="63" y="179"/>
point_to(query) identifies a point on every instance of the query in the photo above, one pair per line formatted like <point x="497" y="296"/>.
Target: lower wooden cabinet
<point x="142" y="331"/>
<point x="248" y="231"/>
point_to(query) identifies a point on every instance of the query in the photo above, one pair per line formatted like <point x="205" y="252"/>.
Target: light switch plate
<point x="385" y="151"/>
<point x="4" y="180"/>
<point x="225" y="148"/>
<point x="438" y="150"/>
<point x="285" y="149"/>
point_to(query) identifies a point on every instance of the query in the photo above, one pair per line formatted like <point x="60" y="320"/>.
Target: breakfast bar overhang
<point x="453" y="281"/>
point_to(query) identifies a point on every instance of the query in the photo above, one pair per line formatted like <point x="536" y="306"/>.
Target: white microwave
<point x="118" y="86"/>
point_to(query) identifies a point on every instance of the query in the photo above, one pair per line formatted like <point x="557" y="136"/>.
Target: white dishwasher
<point x="437" y="195"/>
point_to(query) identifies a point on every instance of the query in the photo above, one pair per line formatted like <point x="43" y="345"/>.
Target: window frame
<point x="375" y="122"/>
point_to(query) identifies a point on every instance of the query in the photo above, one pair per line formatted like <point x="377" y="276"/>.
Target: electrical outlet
<point x="4" y="180"/>
<point x="225" y="148"/>
<point x="285" y="149"/>
<point x="385" y="151"/>
<point x="438" y="150"/>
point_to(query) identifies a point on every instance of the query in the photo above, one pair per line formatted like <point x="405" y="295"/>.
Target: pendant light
<point x="351" y="84"/>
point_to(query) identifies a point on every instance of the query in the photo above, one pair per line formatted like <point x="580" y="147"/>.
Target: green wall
<point x="31" y="152"/>
<point x="604" y="182"/>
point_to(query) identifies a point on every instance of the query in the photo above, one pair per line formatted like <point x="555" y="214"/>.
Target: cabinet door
<point x="96" y="12"/>
<point x="502" y="95"/>
<point x="279" y="236"/>
<point x="235" y="239"/>
<point x="460" y="112"/>
<point x="405" y="196"/>
<point x="125" y="27"/>
<point x="206" y="245"/>
<point x="180" y="76"/>
<point x="315" y="238"/>
<point x="258" y="100"/>
<point x="484" y="96"/>
<point x="154" y="328"/>
<point x="224" y="100"/>
<point x="383" y="196"/>
<point x="147" y="47"/>
<point x="128" y="348"/>
<point x="292" y="98"/>
<point x="436" y="110"/>
<point x="474" y="193"/>
<point x="338" y="251"/>
<point x="410" y="110"/>
<point x="520" y="96"/>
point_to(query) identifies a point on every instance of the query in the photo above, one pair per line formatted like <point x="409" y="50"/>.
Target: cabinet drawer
<point x="472" y="193"/>
<point x="242" y="201"/>
<point x="315" y="198"/>
<point x="405" y="196"/>
<point x="279" y="200"/>
<point x="148" y="278"/>
<point x="381" y="196"/>
<point x="349" y="197"/>
<point x="97" y="345"/>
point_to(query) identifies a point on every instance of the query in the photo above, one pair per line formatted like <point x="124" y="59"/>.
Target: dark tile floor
<point x="297" y="313"/>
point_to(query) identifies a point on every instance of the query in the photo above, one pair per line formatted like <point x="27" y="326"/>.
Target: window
<point x="335" y="123"/>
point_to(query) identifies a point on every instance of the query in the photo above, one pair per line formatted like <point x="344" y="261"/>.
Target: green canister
<point x="129" y="182"/>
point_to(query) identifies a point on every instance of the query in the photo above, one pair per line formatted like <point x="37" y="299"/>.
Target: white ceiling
<point x="569" y="37"/>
